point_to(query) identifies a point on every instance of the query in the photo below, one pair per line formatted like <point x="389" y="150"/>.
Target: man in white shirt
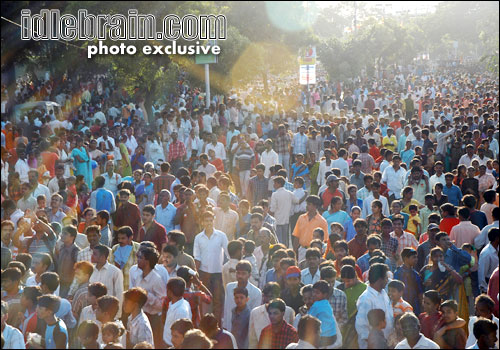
<point x="341" y="163"/>
<point x="36" y="187"/>
<point x="411" y="331"/>
<point x="177" y="308"/>
<point x="469" y="156"/>
<point x="206" y="167"/>
<point x="152" y="283"/>
<point x="218" y="147"/>
<point x="209" y="249"/>
<point x="269" y="157"/>
<point x="109" y="142"/>
<point x="243" y="273"/>
<point x="207" y="121"/>
<point x="324" y="166"/>
<point x="282" y="202"/>
<point x="107" y="274"/>
<point x="367" y="203"/>
<point x="488" y="259"/>
<point x="438" y="177"/>
<point x="374" y="297"/>
<point x="111" y="179"/>
<point x="394" y="177"/>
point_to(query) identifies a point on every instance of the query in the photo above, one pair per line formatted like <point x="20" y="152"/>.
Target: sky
<point x="393" y="6"/>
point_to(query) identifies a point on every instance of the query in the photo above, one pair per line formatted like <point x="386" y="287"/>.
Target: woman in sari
<point x="125" y="165"/>
<point x="313" y="166"/>
<point x="299" y="168"/>
<point x="374" y="220"/>
<point x="439" y="276"/>
<point x="408" y="200"/>
<point x="82" y="162"/>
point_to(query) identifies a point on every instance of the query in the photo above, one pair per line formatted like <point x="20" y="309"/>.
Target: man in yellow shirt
<point x="390" y="141"/>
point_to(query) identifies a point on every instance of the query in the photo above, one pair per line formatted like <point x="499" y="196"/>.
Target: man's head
<point x="276" y="311"/>
<point x="47" y="306"/>
<point x="485" y="331"/>
<point x="410" y="325"/>
<point x="377" y="276"/>
<point x="309" y="329"/>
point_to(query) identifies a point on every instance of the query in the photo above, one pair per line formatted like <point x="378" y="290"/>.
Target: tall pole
<point x="207" y="84"/>
<point x="355" y="18"/>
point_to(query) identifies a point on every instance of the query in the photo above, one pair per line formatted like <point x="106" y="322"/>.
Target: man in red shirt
<point x="357" y="245"/>
<point x="279" y="333"/>
<point x="332" y="191"/>
<point x="151" y="230"/>
<point x="127" y="213"/>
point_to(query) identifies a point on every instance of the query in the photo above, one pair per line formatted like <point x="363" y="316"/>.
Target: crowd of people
<point x="360" y="214"/>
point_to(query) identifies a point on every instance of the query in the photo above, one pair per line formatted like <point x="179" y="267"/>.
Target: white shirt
<point x="371" y="299"/>
<point x="5" y="171"/>
<point x="482" y="240"/>
<point x="395" y="180"/>
<point x="157" y="290"/>
<point x="207" y="123"/>
<point x="13" y="338"/>
<point x="472" y="339"/>
<point x="176" y="311"/>
<point x="323" y="168"/>
<point x="22" y="168"/>
<point x="39" y="190"/>
<point x="100" y="115"/>
<point x="488" y="262"/>
<point x="139" y="329"/>
<point x="111" y="184"/>
<point x="423" y="343"/>
<point x="341" y="164"/>
<point x="307" y="278"/>
<point x="112" y="278"/>
<point x="465" y="159"/>
<point x="220" y="151"/>
<point x="210" y="251"/>
<point x="269" y="159"/>
<point x="367" y="206"/>
<point x="282" y="202"/>
<point x="259" y="319"/>
<point x="131" y="144"/>
<point x="209" y="169"/>
<point x="435" y="179"/>
<point x="111" y="140"/>
<point x="255" y="299"/>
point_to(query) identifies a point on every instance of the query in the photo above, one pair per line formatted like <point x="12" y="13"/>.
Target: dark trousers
<point x="213" y="281"/>
<point x="157" y="327"/>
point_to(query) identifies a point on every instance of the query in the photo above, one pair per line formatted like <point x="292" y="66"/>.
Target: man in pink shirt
<point x="465" y="231"/>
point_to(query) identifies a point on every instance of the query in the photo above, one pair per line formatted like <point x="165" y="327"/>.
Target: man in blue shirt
<point x="165" y="211"/>
<point x="452" y="191"/>
<point x="453" y="256"/>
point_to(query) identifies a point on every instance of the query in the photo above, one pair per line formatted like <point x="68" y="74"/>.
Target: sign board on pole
<point x="307" y="74"/>
<point x="308" y="56"/>
<point x="208" y="58"/>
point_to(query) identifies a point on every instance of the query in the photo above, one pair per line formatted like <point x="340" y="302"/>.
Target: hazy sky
<point x="393" y="6"/>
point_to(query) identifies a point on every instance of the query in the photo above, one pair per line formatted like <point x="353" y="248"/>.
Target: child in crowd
<point x="107" y="308"/>
<point x="322" y="310"/>
<point x="248" y="249"/>
<point x="111" y="333"/>
<point x="318" y="233"/>
<point x="376" y="339"/>
<point x="95" y="291"/>
<point x="410" y="277"/>
<point x="426" y="211"/>
<point x="399" y="305"/>
<point x="54" y="332"/>
<point x="235" y="250"/>
<point x="414" y="222"/>
<point x="88" y="332"/>
<point x="138" y="325"/>
<point x="484" y="306"/>
<point x="240" y="317"/>
<point x="445" y="337"/>
<point x="179" y="329"/>
<point x="29" y="302"/>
